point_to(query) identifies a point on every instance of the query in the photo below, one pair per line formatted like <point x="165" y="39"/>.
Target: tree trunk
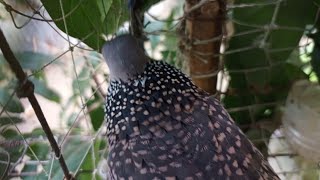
<point x="202" y="32"/>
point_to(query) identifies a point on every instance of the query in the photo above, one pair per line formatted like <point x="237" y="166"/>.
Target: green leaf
<point x="117" y="14"/>
<point x="87" y="18"/>
<point x="31" y="60"/>
<point x="41" y="150"/>
<point x="42" y="89"/>
<point x="77" y="153"/>
<point x="169" y="56"/>
<point x="88" y="165"/>
<point x="9" y="133"/>
<point x="12" y="142"/>
<point x="96" y="115"/>
<point x="97" y="118"/>
<point x="104" y="7"/>
<point x="14" y="104"/>
<point x="90" y="19"/>
<point x="315" y="55"/>
<point x="9" y="120"/>
<point x="38" y="132"/>
<point x="294" y="14"/>
<point x="31" y="168"/>
<point x="5" y="162"/>
<point x="267" y="76"/>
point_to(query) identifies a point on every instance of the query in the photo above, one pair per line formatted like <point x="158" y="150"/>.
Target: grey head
<point x="125" y="57"/>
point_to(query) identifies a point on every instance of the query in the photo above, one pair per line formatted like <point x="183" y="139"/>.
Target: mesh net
<point x="262" y="54"/>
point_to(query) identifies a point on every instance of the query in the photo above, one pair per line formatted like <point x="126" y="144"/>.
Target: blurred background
<point x="261" y="58"/>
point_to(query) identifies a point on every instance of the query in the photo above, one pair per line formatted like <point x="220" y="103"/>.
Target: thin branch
<point x="27" y="90"/>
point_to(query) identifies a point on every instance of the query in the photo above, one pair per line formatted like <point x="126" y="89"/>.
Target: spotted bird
<point x="162" y="126"/>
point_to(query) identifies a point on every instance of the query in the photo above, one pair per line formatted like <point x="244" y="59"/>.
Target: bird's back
<point x="161" y="126"/>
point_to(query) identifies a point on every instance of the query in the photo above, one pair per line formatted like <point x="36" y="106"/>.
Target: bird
<point x="160" y="125"/>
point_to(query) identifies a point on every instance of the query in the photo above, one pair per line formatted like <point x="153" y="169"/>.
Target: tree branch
<point x="26" y="89"/>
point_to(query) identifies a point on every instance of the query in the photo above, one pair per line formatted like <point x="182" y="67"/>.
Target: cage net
<point x="266" y="46"/>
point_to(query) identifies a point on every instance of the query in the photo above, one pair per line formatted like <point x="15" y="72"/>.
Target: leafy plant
<point x="90" y="20"/>
<point x="9" y="136"/>
<point x="260" y="73"/>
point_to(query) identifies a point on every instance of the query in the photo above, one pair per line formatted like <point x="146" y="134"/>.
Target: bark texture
<point x="201" y="37"/>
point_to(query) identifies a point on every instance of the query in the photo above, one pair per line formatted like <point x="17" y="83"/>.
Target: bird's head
<point x="124" y="57"/>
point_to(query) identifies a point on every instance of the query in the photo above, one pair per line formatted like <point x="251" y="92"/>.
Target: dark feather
<point x="174" y="130"/>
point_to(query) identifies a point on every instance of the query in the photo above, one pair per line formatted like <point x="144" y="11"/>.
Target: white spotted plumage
<point x="168" y="128"/>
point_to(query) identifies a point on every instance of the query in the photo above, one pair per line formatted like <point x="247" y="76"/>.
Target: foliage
<point x="261" y="73"/>
<point x="11" y="138"/>
<point x="78" y="153"/>
<point x="315" y="55"/>
<point x="95" y="17"/>
<point x="167" y="42"/>
<point x="92" y="20"/>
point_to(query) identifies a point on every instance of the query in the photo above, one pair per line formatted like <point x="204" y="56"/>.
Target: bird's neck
<point x="126" y="70"/>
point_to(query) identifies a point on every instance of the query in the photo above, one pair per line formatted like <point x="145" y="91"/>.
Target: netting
<point x="264" y="50"/>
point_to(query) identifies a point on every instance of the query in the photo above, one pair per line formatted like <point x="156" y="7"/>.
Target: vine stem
<point x="26" y="90"/>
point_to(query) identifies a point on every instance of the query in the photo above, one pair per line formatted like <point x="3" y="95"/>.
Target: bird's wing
<point x="187" y="137"/>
